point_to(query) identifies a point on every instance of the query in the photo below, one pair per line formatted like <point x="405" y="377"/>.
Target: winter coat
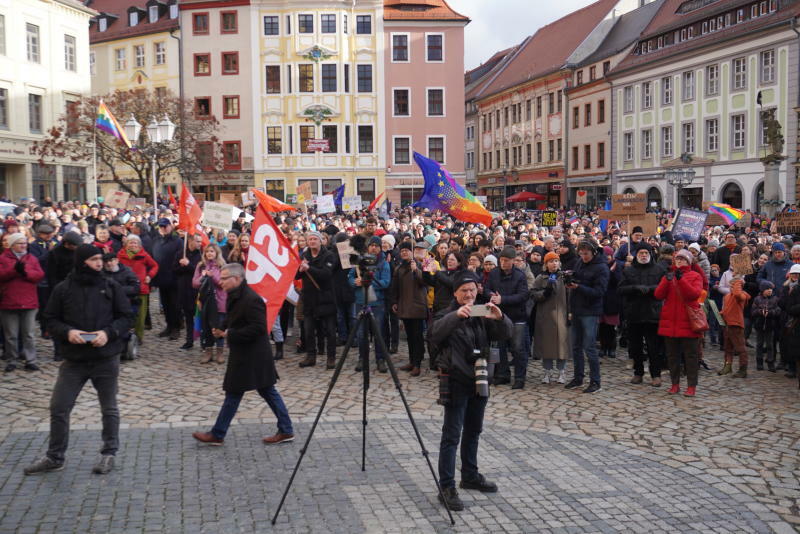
<point x="250" y="364"/>
<point x="342" y="291"/>
<point x="637" y="288"/>
<point x="409" y="292"/>
<point x="214" y="273"/>
<point x="612" y="302"/>
<point x="765" y="313"/>
<point x="733" y="306"/>
<point x="775" y="272"/>
<point x="116" y="242"/>
<point x="142" y="265"/>
<point x="107" y="246"/>
<point x="592" y="279"/>
<point x="318" y="301"/>
<point x="127" y="280"/>
<point x="164" y="250"/>
<point x="187" y="294"/>
<point x="677" y="295"/>
<point x="381" y="281"/>
<point x="702" y="260"/>
<point x="60" y="262"/>
<point x="722" y="257"/>
<point x="551" y="334"/>
<point x="513" y="290"/>
<point x="18" y="290"/>
<point x="442" y="282"/>
<point x="570" y="260"/>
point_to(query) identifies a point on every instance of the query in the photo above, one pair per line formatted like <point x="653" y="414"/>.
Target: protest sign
<point x="788" y="223"/>
<point x="581" y="197"/>
<point x="549" y="218"/>
<point x="741" y="264"/>
<point x="689" y="224"/>
<point x="228" y="198"/>
<point x="217" y="215"/>
<point x="345" y="250"/>
<point x="134" y="203"/>
<point x="648" y="222"/>
<point x="745" y="221"/>
<point x="351" y="203"/>
<point x="117" y="199"/>
<point x="325" y="204"/>
<point x="303" y="192"/>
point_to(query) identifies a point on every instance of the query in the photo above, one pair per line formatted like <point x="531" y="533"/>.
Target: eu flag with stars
<point x="338" y="194"/>
<point x="443" y="193"/>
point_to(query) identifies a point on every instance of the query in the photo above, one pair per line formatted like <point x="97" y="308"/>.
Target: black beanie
<point x="84" y="252"/>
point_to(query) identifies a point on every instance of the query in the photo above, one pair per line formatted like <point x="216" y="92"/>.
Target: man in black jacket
<point x="87" y="315"/>
<point x="319" y="305"/>
<point x="462" y="339"/>
<point x="165" y="247"/>
<point x="184" y="267"/>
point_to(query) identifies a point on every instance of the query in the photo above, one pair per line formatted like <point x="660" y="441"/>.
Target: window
<point x="470" y="164"/>
<point x="69" y="53"/>
<point x="559" y="145"/>
<point x="575" y="158"/>
<point x="138" y="55"/>
<point x="592" y="74"/>
<point x="627" y="99"/>
<point x="271" y="25"/>
<point x="306" y="134"/>
<point x="120" y="62"/>
<point x="401" y="106"/>
<point x="228" y="22"/>
<point x="289" y="32"/>
<point x="344" y="23"/>
<point x="328" y="23"/>
<point x="601" y="154"/>
<point x="161" y="93"/>
<point x="2" y="35"/>
<point x="528" y="154"/>
<point x="576" y="117"/>
<point x="551" y="150"/>
<point x="346" y="138"/>
<point x="35" y="113"/>
<point x="32" y="36"/>
<point x="3" y="108"/>
<point x="72" y="115"/>
<point x="435" y="47"/>
<point x="92" y="63"/>
<point x="737" y="129"/>
<point x="102" y="24"/>
<point x="739" y="73"/>
<point x="399" y="47"/>
<point x="346" y="78"/>
<point x="202" y="107"/>
<point x="712" y="80"/>
<point x="173" y="11"/>
<point x="712" y="135"/>
<point x="587" y="156"/>
<point x="505" y="116"/>
<point x="274" y="140"/>
<point x="305" y="23"/>
<point x="687" y="91"/>
<point x="306" y="73"/>
<point x="202" y="64"/>
<point x="436" y="148"/>
<point x="273" y="75"/>
<point x="365" y="78"/>
<point x="528" y="109"/>
<point x="647" y="95"/>
<point x="200" y="23"/>
<point x="133" y="18"/>
<point x="230" y="107"/>
<point x="538" y="106"/>
<point x="666" y="91"/>
<point x="230" y="62"/>
<point x="160" y="52"/>
<point x="331" y="133"/>
<point x="627" y="145"/>
<point x="288" y="78"/>
<point x="329" y="78"/>
<point x="587" y="115"/>
<point x="688" y="137"/>
<point x="767" y="62"/>
<point x="647" y="144"/>
<point x="601" y="111"/>
<point x="205" y="155"/>
<point x="551" y="103"/>
<point x="365" y="188"/>
<point x="364" y="24"/>
<point x="402" y="150"/>
<point x="579" y="77"/>
<point x="538" y="152"/>
<point x="666" y="141"/>
<point x="232" y="154"/>
<point x="365" y="139"/>
<point x="152" y="13"/>
<point x="560" y="100"/>
<point x="435" y="102"/>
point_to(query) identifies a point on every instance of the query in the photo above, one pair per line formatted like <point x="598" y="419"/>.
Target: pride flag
<point x="731" y="215"/>
<point x="443" y="193"/>
<point x="108" y="123"/>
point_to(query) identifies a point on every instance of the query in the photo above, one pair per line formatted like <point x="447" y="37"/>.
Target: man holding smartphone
<point x="87" y="315"/>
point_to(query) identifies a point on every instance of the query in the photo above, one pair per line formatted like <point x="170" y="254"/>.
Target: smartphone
<point x="479" y="310"/>
<point x="88" y="337"/>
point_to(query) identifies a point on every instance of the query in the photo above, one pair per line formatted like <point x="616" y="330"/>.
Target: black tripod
<point x="365" y="320"/>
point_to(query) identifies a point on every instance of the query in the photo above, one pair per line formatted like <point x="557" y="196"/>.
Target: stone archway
<point x="731" y="194"/>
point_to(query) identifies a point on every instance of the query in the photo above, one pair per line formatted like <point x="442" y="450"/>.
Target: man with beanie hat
<point x="319" y="303"/>
<point x="87" y="315"/>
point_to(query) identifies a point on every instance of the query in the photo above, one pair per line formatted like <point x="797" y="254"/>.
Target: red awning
<point x="524" y="196"/>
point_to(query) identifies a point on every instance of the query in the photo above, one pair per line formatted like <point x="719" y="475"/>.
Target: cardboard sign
<point x="628" y="204"/>
<point x="352" y="203"/>
<point x="217" y="215"/>
<point x="228" y="198"/>
<point x="745" y="221"/>
<point x="345" y="250"/>
<point x="137" y="202"/>
<point x="117" y="199"/>
<point x="325" y="204"/>
<point x="788" y="223"/>
<point x="303" y="192"/>
<point x="549" y="218"/>
<point x="689" y="224"/>
<point x="581" y="196"/>
<point x="648" y="222"/>
<point x="248" y="198"/>
<point x="741" y="264"/>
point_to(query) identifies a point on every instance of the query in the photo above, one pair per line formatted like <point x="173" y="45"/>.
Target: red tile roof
<point x="119" y="29"/>
<point x="548" y="49"/>
<point x="428" y="10"/>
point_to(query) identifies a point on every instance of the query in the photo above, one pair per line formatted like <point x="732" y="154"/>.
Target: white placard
<point x="351" y="203"/>
<point x="325" y="204"/>
<point x="218" y="215"/>
<point x="482" y="199"/>
<point x="235" y="214"/>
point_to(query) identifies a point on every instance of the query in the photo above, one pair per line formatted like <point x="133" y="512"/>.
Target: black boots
<point x="278" y="351"/>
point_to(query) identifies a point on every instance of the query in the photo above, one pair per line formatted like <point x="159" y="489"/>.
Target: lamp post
<point x="515" y="175"/>
<point x="680" y="177"/>
<point x="158" y="132"/>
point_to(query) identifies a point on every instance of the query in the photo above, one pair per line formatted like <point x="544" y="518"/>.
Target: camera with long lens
<point x="568" y="277"/>
<point x="367" y="263"/>
<point x="481" y="372"/>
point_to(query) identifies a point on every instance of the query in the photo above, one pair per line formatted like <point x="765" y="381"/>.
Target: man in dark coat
<point x="187" y="295"/>
<point x="319" y="305"/>
<point x="61" y="260"/>
<point x="250" y="364"/>
<point x="165" y="247"/>
<point x="87" y="315"/>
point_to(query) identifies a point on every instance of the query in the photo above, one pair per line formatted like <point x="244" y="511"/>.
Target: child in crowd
<point x="765" y="314"/>
<point x="733" y="312"/>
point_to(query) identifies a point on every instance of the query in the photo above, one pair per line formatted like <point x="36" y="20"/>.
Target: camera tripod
<point x="367" y="321"/>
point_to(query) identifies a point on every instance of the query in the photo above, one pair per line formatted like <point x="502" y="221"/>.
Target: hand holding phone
<point x="479" y="310"/>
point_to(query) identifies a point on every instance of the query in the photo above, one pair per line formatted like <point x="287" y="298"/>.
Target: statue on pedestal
<point x="774" y="137"/>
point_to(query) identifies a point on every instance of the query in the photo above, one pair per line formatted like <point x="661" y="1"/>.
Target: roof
<point x="426" y="10"/>
<point x="625" y="32"/>
<point x="118" y="28"/>
<point x="474" y="77"/>
<point x="548" y="49"/>
<point x="77" y="4"/>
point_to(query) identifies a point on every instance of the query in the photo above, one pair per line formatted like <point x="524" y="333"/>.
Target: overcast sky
<point x="498" y="24"/>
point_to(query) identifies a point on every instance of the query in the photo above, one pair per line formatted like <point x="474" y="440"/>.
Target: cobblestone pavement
<point x="628" y="458"/>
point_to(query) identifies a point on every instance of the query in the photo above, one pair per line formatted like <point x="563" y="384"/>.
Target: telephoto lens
<point x="481" y="375"/>
<point x="444" y="388"/>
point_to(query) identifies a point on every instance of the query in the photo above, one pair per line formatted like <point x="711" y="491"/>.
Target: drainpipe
<point x="181" y="98"/>
<point x="793" y="196"/>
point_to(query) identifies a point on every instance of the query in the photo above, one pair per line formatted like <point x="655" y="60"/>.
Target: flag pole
<point x="92" y="193"/>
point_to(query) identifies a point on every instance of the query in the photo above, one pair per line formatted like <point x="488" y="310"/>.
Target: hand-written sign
<point x="741" y="264"/>
<point x="351" y="203"/>
<point x="689" y="223"/>
<point x="628" y="204"/>
<point x="217" y="215"/>
<point x="581" y="196"/>
<point x="117" y="199"/>
<point x="648" y="222"/>
<point x="304" y="192"/>
<point x="745" y="221"/>
<point x="549" y="218"/>
<point x="788" y="223"/>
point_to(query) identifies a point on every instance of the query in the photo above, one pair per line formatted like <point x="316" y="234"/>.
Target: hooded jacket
<point x="637" y="288"/>
<point x="776" y="272"/>
<point x="677" y="295"/>
<point x="592" y="279"/>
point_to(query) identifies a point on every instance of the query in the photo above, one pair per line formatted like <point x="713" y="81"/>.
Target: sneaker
<point x="208" y="437"/>
<point x="500" y="380"/>
<point x="186" y="346"/>
<point x="562" y="378"/>
<point x="382" y="368"/>
<point x="593" y="387"/>
<point x="30" y="366"/>
<point x="636" y="379"/>
<point x="546" y="377"/>
<point x="104" y="466"/>
<point x="518" y="384"/>
<point x="10" y="368"/>
<point x="278" y="438"/>
<point x="656" y="383"/>
<point x="43" y="465"/>
<point x="574" y="383"/>
<point x="480" y="484"/>
<point x="449" y="497"/>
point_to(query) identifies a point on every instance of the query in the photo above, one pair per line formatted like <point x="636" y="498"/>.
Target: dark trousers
<point x="315" y="328"/>
<point x="364" y="332"/>
<point x="344" y="319"/>
<point x="689" y="347"/>
<point x="583" y="336"/>
<point x="607" y="334"/>
<point x="641" y="335"/>
<point x="231" y="405"/>
<point x="734" y="345"/>
<point x="71" y="378"/>
<point x="765" y="342"/>
<point x="519" y="356"/>
<point x="416" y="340"/>
<point x="463" y="420"/>
<point x="186" y="310"/>
<point x="287" y="316"/>
<point x="391" y="328"/>
<point x="169" y="301"/>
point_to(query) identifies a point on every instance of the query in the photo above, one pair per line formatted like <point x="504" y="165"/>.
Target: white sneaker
<point x="561" y="378"/>
<point x="546" y="377"/>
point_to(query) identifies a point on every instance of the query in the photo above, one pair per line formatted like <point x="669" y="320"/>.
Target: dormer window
<point x="102" y="24"/>
<point x="133" y="18"/>
<point x="152" y="13"/>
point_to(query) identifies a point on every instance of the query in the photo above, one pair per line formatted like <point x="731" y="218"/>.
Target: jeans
<point x="231" y="405"/>
<point x="463" y="420"/>
<point x="364" y="331"/>
<point x="416" y="340"/>
<point x="71" y="378"/>
<point x="547" y="363"/>
<point x="19" y="325"/>
<point x="277" y="331"/>
<point x="765" y="342"/>
<point x="325" y="325"/>
<point x="639" y="336"/>
<point x="688" y="346"/>
<point x="518" y="354"/>
<point x="343" y="319"/>
<point x="583" y="335"/>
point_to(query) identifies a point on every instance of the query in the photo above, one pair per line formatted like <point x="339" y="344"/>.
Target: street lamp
<point x="158" y="132"/>
<point x="680" y="177"/>
<point x="515" y="175"/>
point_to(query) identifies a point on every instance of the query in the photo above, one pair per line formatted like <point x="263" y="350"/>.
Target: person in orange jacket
<point x="733" y="312"/>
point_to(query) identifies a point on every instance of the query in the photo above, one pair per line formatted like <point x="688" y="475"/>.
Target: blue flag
<point x="604" y="223"/>
<point x="338" y="193"/>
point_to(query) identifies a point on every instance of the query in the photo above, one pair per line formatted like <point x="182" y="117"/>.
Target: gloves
<point x="20" y="268"/>
<point x="644" y="290"/>
<point x="678" y="274"/>
<point x="551" y="280"/>
<point x="668" y="276"/>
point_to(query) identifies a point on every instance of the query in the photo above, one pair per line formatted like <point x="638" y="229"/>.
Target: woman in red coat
<point x="145" y="268"/>
<point x="679" y="288"/>
<point x="20" y="272"/>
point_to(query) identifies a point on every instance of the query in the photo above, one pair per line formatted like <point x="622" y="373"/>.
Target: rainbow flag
<point x="731" y="215"/>
<point x="443" y="193"/>
<point x="108" y="123"/>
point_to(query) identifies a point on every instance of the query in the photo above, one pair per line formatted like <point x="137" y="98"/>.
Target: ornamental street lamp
<point x="158" y="132"/>
<point x="515" y="175"/>
<point x="680" y="177"/>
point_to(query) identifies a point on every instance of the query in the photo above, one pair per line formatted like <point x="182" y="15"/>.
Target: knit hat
<point x="332" y="230"/>
<point x="778" y="246"/>
<point x="508" y="252"/>
<point x="685" y="254"/>
<point x="108" y="256"/>
<point x="406" y="245"/>
<point x="431" y="239"/>
<point x="765" y="284"/>
<point x="695" y="246"/>
<point x="637" y="230"/>
<point x="314" y="233"/>
<point x="389" y="238"/>
<point x="84" y="252"/>
<point x="374" y="240"/>
<point x="17" y="236"/>
<point x="550" y="256"/>
<point x="45" y="229"/>
<point x="467" y="278"/>
<point x="713" y="243"/>
<point x="491" y="259"/>
<point x="10" y="223"/>
<point x="608" y="251"/>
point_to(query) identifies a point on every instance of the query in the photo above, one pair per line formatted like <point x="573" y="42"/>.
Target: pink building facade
<point x="424" y="93"/>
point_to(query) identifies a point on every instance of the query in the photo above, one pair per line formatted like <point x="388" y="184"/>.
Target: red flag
<point x="271" y="263"/>
<point x="189" y="212"/>
<point x="270" y="203"/>
<point x="172" y="201"/>
<point x="375" y="202"/>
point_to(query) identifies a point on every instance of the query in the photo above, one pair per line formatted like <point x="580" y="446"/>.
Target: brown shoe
<point x="207" y="356"/>
<point x="407" y="367"/>
<point x="636" y="379"/>
<point x="331" y="363"/>
<point x="656" y="383"/>
<point x="278" y="438"/>
<point x="415" y="371"/>
<point x="309" y="361"/>
<point x="220" y="355"/>
<point x="207" y="437"/>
